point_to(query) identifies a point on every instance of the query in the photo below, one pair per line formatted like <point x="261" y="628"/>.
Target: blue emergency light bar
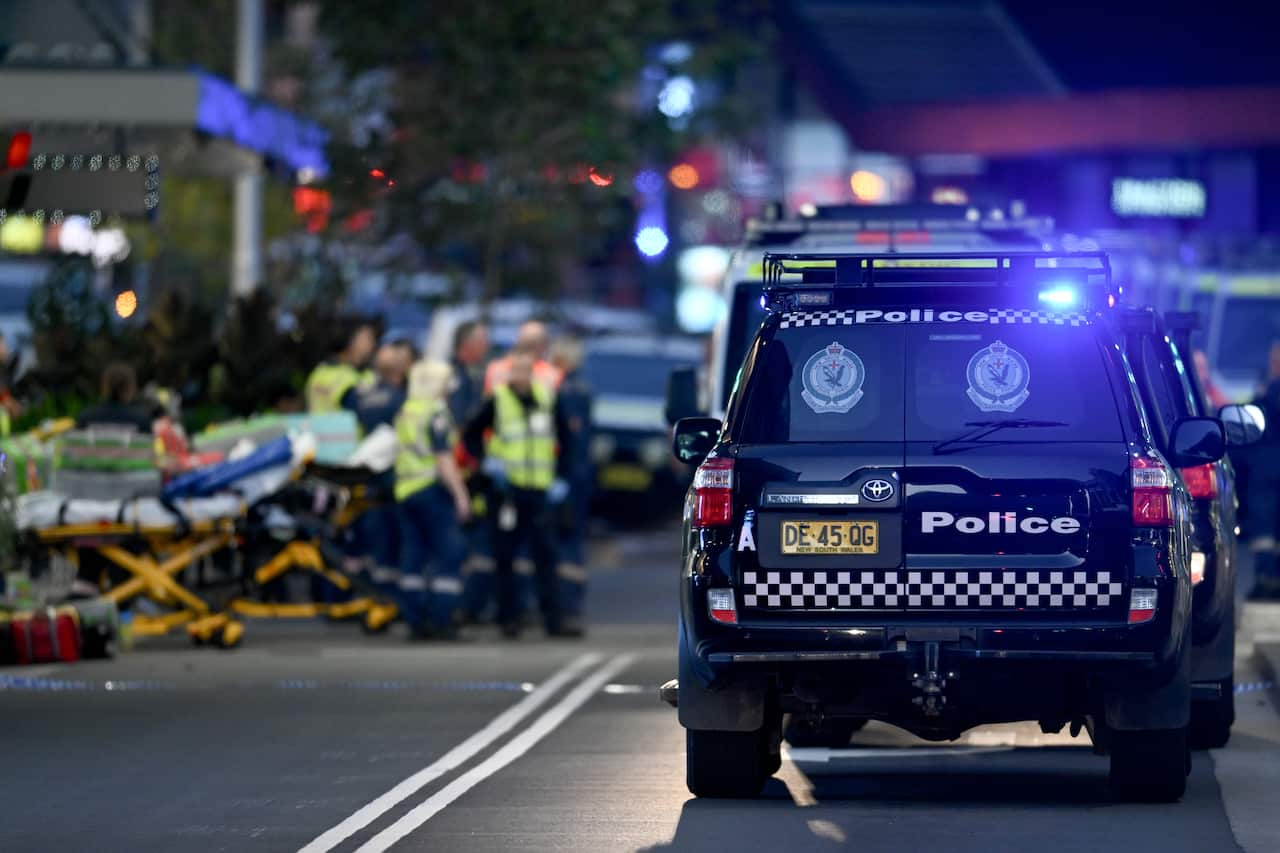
<point x="1054" y="281"/>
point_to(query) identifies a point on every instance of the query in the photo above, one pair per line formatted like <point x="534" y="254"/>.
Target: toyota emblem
<point x="877" y="490"/>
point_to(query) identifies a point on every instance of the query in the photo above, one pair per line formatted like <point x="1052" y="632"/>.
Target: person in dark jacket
<point x="470" y="354"/>
<point x="575" y="398"/>
<point x="376" y="533"/>
<point x="119" y="406"/>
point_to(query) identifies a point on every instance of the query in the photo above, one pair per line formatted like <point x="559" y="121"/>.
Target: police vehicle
<point x="935" y="500"/>
<point x="1159" y="352"/>
<point x="840" y="228"/>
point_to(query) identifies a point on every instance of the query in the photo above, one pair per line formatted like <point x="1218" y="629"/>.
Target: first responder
<point x="520" y="456"/>
<point x="466" y="391"/>
<point x="532" y="337"/>
<point x="334" y="384"/>
<point x="470" y="351"/>
<point x="575" y="399"/>
<point x="376" y="531"/>
<point x="433" y="502"/>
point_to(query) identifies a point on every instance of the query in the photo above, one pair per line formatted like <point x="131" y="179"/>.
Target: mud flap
<point x="1215" y="660"/>
<point x="727" y="709"/>
<point x="1153" y="706"/>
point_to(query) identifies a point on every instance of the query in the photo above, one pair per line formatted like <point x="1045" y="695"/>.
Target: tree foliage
<point x="519" y="124"/>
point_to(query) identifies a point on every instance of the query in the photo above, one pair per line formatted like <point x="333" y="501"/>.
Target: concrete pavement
<point x="315" y="737"/>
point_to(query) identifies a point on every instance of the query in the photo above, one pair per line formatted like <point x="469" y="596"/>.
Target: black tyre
<point x="725" y="764"/>
<point x="1211" y="721"/>
<point x="832" y="734"/>
<point x="1149" y="766"/>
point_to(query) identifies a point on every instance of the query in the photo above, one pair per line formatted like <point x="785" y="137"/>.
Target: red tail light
<point x="721" y="606"/>
<point x="19" y="151"/>
<point x="1142" y="606"/>
<point x="1152" y="492"/>
<point x="713" y="493"/>
<point x="1201" y="480"/>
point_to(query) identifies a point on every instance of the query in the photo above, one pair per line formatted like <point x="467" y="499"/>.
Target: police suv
<point x="935" y="500"/>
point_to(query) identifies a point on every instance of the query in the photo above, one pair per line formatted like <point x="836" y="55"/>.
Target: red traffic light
<point x="19" y="151"/>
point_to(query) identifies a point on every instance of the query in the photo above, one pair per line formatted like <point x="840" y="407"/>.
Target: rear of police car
<point x="934" y="501"/>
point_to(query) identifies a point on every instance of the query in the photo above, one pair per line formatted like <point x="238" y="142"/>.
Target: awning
<point x="189" y="117"/>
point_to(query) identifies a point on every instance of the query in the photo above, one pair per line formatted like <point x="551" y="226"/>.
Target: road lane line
<point x="513" y="749"/>
<point x="454" y="758"/>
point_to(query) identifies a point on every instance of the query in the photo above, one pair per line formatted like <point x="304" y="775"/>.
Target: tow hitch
<point x="931" y="683"/>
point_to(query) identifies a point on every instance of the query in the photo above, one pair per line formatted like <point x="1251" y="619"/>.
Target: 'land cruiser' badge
<point x="998" y="378"/>
<point x="832" y="379"/>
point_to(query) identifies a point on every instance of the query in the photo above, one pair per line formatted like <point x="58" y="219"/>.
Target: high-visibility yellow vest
<point x="525" y="444"/>
<point x="327" y="384"/>
<point x="415" y="460"/>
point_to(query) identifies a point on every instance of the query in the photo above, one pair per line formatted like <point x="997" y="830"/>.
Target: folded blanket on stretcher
<point x="44" y="510"/>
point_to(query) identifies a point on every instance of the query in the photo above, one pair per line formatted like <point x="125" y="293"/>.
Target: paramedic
<point x="433" y="502"/>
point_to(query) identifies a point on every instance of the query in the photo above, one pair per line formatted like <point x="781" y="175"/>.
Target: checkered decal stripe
<point x="928" y="589"/>
<point x="1026" y="316"/>
<point x="802" y="319"/>
<point x="995" y="316"/>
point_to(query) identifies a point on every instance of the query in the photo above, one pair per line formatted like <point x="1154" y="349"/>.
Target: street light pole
<point x="246" y="256"/>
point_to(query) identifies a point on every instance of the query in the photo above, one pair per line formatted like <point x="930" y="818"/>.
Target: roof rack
<point x="789" y="273"/>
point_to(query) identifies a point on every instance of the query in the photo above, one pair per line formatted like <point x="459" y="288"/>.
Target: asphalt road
<point x="315" y="737"/>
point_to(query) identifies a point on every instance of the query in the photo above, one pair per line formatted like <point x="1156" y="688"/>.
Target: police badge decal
<point x="998" y="378"/>
<point x="832" y="379"/>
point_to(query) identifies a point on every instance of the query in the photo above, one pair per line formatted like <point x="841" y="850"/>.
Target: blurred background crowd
<point x="222" y="200"/>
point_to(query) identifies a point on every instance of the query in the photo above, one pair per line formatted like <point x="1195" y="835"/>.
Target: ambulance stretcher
<point x="149" y="544"/>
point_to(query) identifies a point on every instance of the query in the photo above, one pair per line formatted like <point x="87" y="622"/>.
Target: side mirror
<point x="1244" y="424"/>
<point x="694" y="439"/>
<point x="1197" y="441"/>
<point x="682" y="394"/>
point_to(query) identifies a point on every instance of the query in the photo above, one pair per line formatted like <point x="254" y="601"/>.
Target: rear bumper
<point x="726" y="653"/>
<point x="725" y="658"/>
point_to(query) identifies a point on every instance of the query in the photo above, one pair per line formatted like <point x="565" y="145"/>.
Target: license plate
<point x="625" y="478"/>
<point x="830" y="537"/>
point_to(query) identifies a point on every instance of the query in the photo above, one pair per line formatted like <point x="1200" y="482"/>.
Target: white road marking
<point x="499" y="726"/>
<point x="514" y="748"/>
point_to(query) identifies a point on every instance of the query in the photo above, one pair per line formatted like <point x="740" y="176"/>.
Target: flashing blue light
<point x="1061" y="296"/>
<point x="651" y="241"/>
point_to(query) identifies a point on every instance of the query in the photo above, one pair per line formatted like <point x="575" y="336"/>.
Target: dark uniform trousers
<point x="535" y="525"/>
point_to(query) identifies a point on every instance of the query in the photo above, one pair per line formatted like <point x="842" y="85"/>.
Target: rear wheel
<point x="726" y="764"/>
<point x="1211" y="721"/>
<point x="832" y="734"/>
<point x="1149" y="766"/>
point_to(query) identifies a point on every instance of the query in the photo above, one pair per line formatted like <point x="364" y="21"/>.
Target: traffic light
<point x="15" y="181"/>
<point x="18" y="151"/>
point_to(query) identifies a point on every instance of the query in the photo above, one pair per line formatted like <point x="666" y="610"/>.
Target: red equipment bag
<point x="46" y="636"/>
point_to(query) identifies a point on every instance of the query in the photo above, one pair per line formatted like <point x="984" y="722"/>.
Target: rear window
<point x="642" y="376"/>
<point x="928" y="382"/>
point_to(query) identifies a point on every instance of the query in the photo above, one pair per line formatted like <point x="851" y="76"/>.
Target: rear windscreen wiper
<point x="981" y="429"/>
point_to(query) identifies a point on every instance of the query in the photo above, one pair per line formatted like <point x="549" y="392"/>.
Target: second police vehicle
<point x="936" y="500"/>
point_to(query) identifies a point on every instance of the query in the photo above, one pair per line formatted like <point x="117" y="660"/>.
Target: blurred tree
<point x="177" y="341"/>
<point x="254" y="358"/>
<point x="518" y="122"/>
<point x="72" y="334"/>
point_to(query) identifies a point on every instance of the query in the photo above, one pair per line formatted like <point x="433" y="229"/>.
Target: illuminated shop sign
<point x="1174" y="197"/>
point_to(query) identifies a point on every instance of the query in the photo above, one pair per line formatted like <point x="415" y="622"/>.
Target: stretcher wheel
<point x="378" y="619"/>
<point x="231" y="635"/>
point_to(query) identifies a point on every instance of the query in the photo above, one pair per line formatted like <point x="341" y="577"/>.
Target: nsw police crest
<point x="998" y="378"/>
<point x="833" y="378"/>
